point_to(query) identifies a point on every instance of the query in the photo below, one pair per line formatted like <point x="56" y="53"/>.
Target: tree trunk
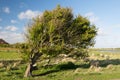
<point x="29" y="68"/>
<point x="28" y="71"/>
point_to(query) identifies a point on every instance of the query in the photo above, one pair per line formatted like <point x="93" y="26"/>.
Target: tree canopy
<point x="59" y="32"/>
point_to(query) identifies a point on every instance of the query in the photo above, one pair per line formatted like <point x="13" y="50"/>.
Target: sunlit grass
<point x="9" y="54"/>
<point x="109" y="68"/>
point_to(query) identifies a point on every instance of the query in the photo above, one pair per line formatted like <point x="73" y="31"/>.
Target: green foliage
<point x="4" y="45"/>
<point x="17" y="45"/>
<point x="57" y="31"/>
<point x="24" y="50"/>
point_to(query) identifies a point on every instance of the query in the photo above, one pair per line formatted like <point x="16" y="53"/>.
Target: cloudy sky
<point x="105" y="14"/>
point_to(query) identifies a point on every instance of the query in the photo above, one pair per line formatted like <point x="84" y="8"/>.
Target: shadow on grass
<point x="83" y="65"/>
<point x="70" y="66"/>
<point x="104" y="63"/>
<point x="62" y="66"/>
<point x="45" y="73"/>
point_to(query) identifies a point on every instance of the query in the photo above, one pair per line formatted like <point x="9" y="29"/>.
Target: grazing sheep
<point x="86" y="59"/>
<point x="8" y="67"/>
<point x="94" y="66"/>
<point x="110" y="66"/>
<point x="107" y="57"/>
<point x="98" y="69"/>
<point x="77" y="70"/>
<point x="93" y="54"/>
<point x="68" y="60"/>
<point x="94" y="63"/>
<point x="102" y="55"/>
<point x="16" y="64"/>
<point x="1" y="65"/>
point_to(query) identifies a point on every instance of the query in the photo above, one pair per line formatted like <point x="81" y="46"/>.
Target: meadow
<point x="12" y="67"/>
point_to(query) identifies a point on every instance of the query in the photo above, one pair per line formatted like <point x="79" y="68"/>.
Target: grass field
<point x="109" y="68"/>
<point x="9" y="54"/>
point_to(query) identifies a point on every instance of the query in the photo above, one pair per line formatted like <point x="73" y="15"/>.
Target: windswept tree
<point x="57" y="32"/>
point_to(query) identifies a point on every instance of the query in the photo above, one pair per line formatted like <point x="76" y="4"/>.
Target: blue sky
<point x="105" y="14"/>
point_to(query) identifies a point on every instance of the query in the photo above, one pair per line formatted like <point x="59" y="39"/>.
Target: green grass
<point x="58" y="73"/>
<point x="63" y="74"/>
<point x="83" y="74"/>
<point x="64" y="71"/>
<point x="9" y="54"/>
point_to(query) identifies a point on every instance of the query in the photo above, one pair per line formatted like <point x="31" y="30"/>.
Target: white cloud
<point x="13" y="21"/>
<point x="11" y="37"/>
<point x="0" y="19"/>
<point x="6" y="9"/>
<point x="91" y="16"/>
<point x="11" y="28"/>
<point x="29" y="14"/>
